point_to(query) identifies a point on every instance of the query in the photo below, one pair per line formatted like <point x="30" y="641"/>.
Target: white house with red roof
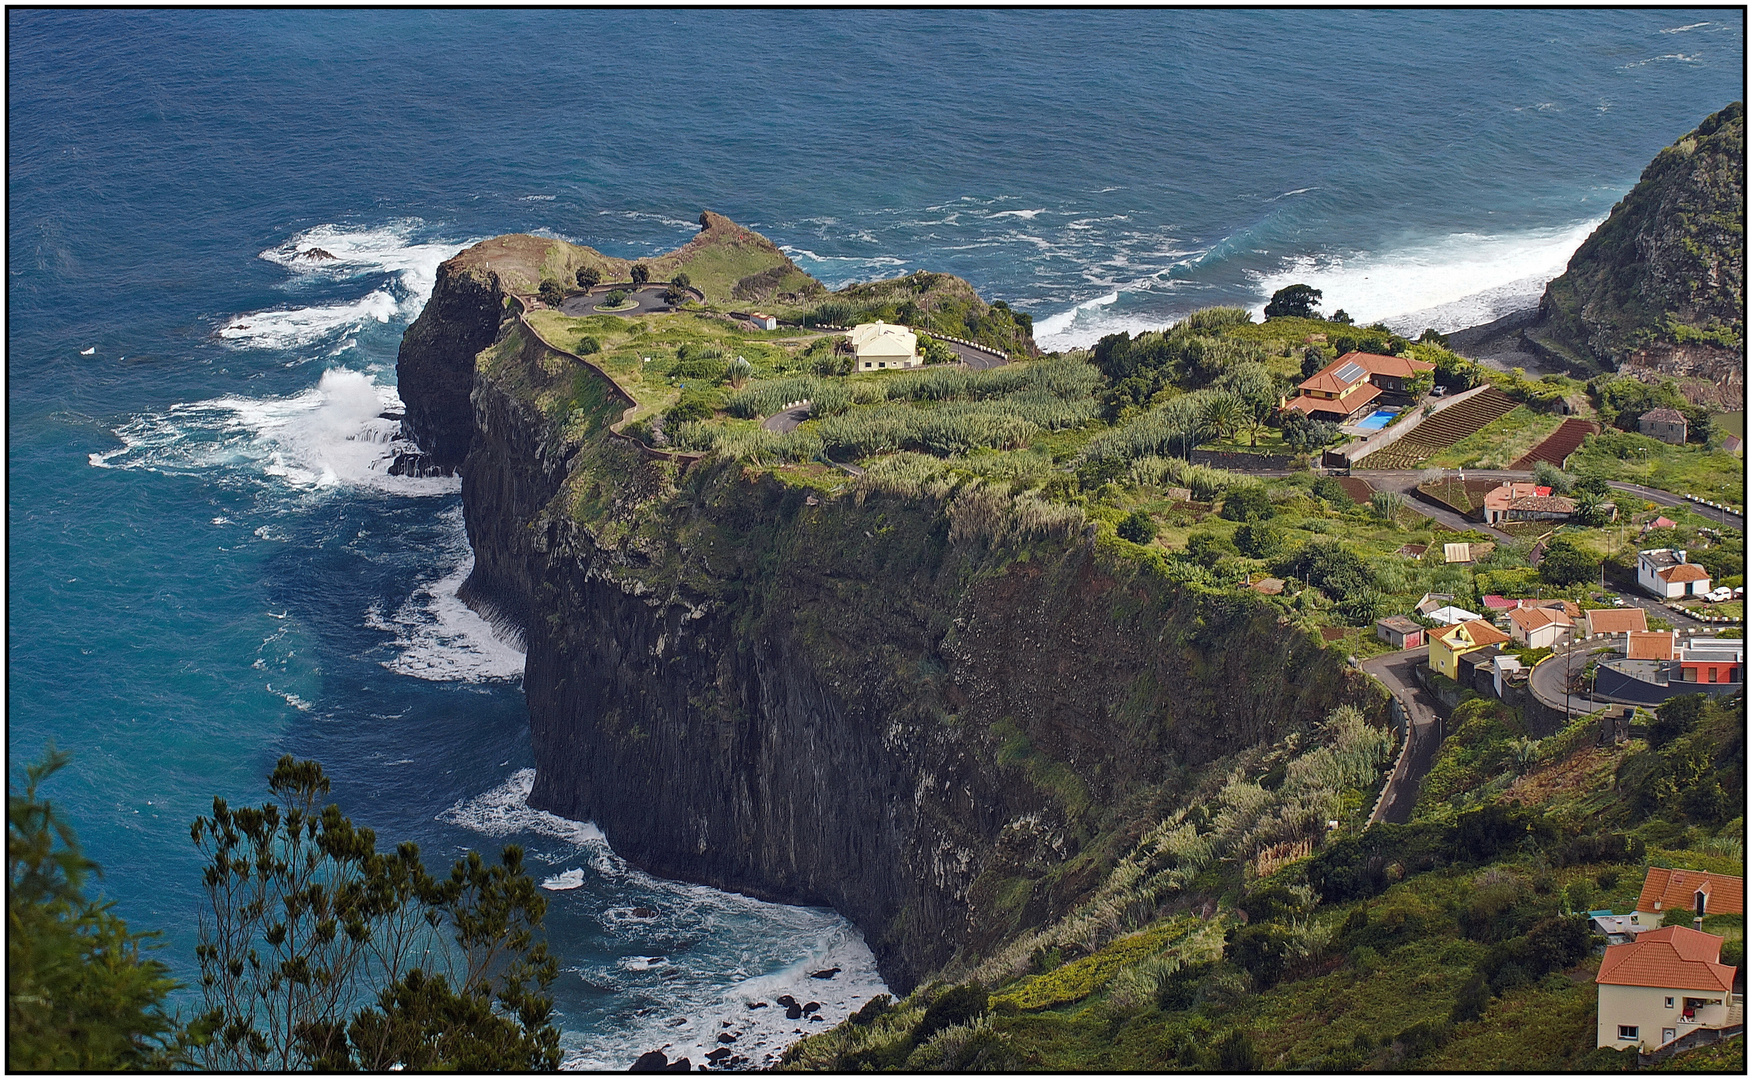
<point x="1663" y="986"/>
<point x="1663" y="572"/>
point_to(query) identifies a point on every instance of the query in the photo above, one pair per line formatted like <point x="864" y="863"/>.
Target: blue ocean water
<point x="208" y="566"/>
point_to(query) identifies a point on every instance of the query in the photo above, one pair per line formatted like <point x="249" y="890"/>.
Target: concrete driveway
<point x="1423" y="731"/>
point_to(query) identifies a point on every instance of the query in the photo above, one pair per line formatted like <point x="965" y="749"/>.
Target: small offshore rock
<point x="317" y="254"/>
<point x="812" y="1007"/>
<point x="757" y="1004"/>
<point x="726" y="1037"/>
<point x="828" y="974"/>
<point x="794" y="1013"/>
<point x="680" y="1065"/>
<point x="719" y="1054"/>
<point x="651" y="1061"/>
<point x="644" y="913"/>
<point x="786" y="1000"/>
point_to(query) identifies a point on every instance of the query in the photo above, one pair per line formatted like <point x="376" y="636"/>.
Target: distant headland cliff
<point x="1660" y="287"/>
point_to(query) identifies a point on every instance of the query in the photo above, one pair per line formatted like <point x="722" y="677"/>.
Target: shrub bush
<point x="956" y="1005"/>
<point x="588" y="345"/>
<point x="1138" y="527"/>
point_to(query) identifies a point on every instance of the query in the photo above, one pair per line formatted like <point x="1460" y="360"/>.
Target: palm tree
<point x="1223" y="414"/>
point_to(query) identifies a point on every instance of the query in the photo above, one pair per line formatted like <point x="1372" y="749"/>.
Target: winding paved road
<point x="1423" y="730"/>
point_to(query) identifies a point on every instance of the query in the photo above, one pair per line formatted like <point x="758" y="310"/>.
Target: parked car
<point x="1716" y="596"/>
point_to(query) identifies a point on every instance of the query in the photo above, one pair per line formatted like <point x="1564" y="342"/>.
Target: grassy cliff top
<point x="728" y="263"/>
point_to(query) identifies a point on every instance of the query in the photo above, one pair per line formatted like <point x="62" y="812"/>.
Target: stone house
<point x="1667" y="425"/>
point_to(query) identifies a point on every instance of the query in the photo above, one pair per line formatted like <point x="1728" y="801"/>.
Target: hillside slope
<point x="1661" y="284"/>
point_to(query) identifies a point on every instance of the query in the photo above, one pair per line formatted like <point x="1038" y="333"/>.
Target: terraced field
<point x="1559" y="444"/>
<point x="1440" y="431"/>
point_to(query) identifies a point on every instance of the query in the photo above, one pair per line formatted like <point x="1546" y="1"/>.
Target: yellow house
<point x="881" y="346"/>
<point x="1447" y="647"/>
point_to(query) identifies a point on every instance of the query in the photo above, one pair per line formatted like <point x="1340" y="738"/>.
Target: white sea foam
<point x="711" y="967"/>
<point x="1449" y="283"/>
<point x="409" y="271"/>
<point x="1687" y="26"/>
<point x="439" y="638"/>
<point x="1026" y="215"/>
<point x="570" y="879"/>
<point x="505" y="811"/>
<point x="333" y="435"/>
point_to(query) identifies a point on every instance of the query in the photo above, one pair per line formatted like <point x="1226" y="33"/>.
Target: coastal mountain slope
<point x="1660" y="286"/>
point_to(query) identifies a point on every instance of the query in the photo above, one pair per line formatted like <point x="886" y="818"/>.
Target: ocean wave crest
<point x="339" y="253"/>
<point x="333" y="435"/>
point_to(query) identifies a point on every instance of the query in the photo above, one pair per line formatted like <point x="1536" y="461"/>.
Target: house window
<point x="1627" y="1031"/>
<point x="1712" y="674"/>
<point x="1669" y="1003"/>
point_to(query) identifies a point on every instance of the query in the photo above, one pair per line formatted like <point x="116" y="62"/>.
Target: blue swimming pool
<point x="1377" y="420"/>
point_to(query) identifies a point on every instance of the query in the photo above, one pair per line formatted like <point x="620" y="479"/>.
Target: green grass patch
<point x="1080" y="978"/>
<point x="1499" y="443"/>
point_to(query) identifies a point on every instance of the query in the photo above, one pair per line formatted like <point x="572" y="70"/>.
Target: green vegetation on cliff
<point x="1667" y="269"/>
<point x="1457" y="943"/>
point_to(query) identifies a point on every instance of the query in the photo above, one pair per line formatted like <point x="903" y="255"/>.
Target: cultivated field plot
<point x="1559" y="444"/>
<point x="1440" y="431"/>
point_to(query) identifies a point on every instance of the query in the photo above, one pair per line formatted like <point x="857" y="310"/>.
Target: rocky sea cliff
<point x="936" y="716"/>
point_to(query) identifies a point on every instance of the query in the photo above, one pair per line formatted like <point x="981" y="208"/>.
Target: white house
<point x="1452" y="616"/>
<point x="764" y="321"/>
<point x="1539" y="628"/>
<point x="881" y="345"/>
<point x="1660" y="987"/>
<point x="1664" y="572"/>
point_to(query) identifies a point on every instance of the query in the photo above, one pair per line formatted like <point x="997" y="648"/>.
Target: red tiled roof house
<point x="1660" y="987"/>
<point x="1613" y="621"/>
<point x="1663" y="572"/>
<point x="1539" y="628"/>
<point x="1342" y="390"/>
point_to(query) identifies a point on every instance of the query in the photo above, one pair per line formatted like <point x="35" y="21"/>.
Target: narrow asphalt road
<point x="1551" y="675"/>
<point x="1423" y="730"/>
<point x="787" y="420"/>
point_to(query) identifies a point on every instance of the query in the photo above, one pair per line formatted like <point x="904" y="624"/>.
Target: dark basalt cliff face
<point x="1661" y="284"/>
<point x="943" y="728"/>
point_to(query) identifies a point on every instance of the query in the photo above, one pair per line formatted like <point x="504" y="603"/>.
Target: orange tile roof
<point x="1479" y="632"/>
<point x="1617" y="621"/>
<point x="1307" y="403"/>
<point x="1371" y="364"/>
<point x="1649" y="645"/>
<point x="1671" y="958"/>
<point x="1685" y="571"/>
<point x="1531" y="619"/>
<point x="1675" y="890"/>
